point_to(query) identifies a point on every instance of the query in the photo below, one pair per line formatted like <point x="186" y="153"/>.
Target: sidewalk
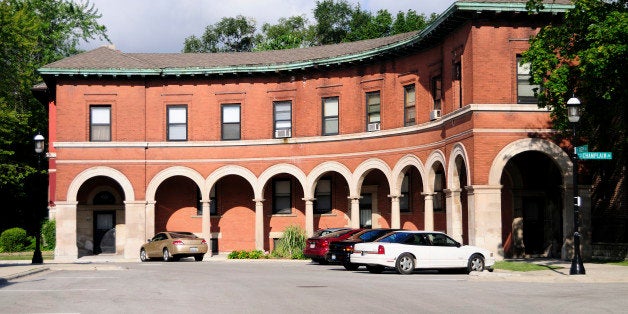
<point x="595" y="273"/>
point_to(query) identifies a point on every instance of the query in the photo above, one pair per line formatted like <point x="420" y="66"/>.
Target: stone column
<point x="309" y="216"/>
<point x="485" y="225"/>
<point x="453" y="213"/>
<point x="395" y="212"/>
<point x="150" y="220"/>
<point x="206" y="224"/>
<point x="429" y="211"/>
<point x="355" y="211"/>
<point x="259" y="224"/>
<point x="135" y="221"/>
<point x="65" y="248"/>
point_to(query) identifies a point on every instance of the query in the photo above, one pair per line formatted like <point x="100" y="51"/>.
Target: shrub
<point x="15" y="240"/>
<point x="48" y="235"/>
<point x="292" y="243"/>
<point x="256" y="254"/>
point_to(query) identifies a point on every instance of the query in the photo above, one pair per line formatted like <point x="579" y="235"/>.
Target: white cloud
<point x="163" y="25"/>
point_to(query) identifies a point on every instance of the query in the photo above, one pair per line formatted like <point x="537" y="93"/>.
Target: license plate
<point x="312" y="245"/>
<point x="193" y="249"/>
<point x="333" y="256"/>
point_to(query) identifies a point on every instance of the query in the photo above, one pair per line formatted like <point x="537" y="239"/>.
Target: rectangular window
<point x="322" y="205"/>
<point x="439" y="194"/>
<point x="525" y="90"/>
<point x="282" y="198"/>
<point x="177" y="123"/>
<point x="409" y="110"/>
<point x="100" y="123"/>
<point x="404" y="201"/>
<point x="212" y="205"/>
<point x="330" y="116"/>
<point x="231" y="122"/>
<point x="437" y="91"/>
<point x="283" y="119"/>
<point x="373" y="107"/>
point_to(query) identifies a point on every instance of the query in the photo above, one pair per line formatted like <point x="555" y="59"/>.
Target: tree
<point x="332" y="21"/>
<point x="231" y="34"/>
<point x="411" y="21"/>
<point x="32" y="33"/>
<point x="587" y="55"/>
<point x="292" y="32"/>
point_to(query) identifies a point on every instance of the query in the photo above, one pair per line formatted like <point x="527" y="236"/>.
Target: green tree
<point x="587" y="55"/>
<point x="231" y="34"/>
<point x="411" y="21"/>
<point x="333" y="20"/>
<point x="32" y="34"/>
<point x="292" y="32"/>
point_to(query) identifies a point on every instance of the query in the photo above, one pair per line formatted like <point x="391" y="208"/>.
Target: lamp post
<point x="39" y="149"/>
<point x="573" y="114"/>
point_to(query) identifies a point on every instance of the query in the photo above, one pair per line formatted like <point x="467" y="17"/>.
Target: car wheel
<point x="476" y="263"/>
<point x="405" y="264"/>
<point x="351" y="266"/>
<point x="167" y="257"/>
<point x="198" y="257"/>
<point x="375" y="269"/>
<point x="143" y="256"/>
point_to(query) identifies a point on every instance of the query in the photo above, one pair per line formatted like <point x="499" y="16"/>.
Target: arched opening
<point x="331" y="205"/>
<point x="461" y="182"/>
<point x="411" y="201"/>
<point x="177" y="206"/>
<point x="232" y="205"/>
<point x="439" y="185"/>
<point x="283" y="206"/>
<point x="100" y="217"/>
<point x="375" y="209"/>
<point x="532" y="195"/>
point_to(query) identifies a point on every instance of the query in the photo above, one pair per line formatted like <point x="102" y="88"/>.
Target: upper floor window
<point x="283" y="119"/>
<point x="409" y="110"/>
<point x="404" y="201"/>
<point x="437" y="91"/>
<point x="231" y="122"/>
<point x="177" y="123"/>
<point x="100" y="123"/>
<point x="373" y="111"/>
<point x="282" y="197"/>
<point x="330" y="116"/>
<point x="525" y="89"/>
<point x="322" y="205"/>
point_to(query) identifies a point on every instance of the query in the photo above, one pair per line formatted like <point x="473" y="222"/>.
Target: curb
<point x="5" y="279"/>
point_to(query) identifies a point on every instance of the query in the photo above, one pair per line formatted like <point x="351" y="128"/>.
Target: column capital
<point x="258" y="200"/>
<point x="354" y="197"/>
<point x="309" y="199"/>
<point x="395" y="196"/>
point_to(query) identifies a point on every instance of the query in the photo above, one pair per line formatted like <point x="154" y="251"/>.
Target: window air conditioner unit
<point x="283" y="133"/>
<point x="373" y="126"/>
<point x="434" y="114"/>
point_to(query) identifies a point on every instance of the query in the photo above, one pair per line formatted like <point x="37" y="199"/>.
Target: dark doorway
<point x="104" y="232"/>
<point x="366" y="210"/>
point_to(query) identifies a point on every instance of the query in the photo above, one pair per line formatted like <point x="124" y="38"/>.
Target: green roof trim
<point x="139" y="67"/>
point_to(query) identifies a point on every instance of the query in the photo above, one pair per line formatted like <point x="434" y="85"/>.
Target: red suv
<point x="317" y="247"/>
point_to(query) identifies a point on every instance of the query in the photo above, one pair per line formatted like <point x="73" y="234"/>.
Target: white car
<point x="409" y="250"/>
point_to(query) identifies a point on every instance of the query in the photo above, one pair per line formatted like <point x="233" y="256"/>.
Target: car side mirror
<point x="458" y="244"/>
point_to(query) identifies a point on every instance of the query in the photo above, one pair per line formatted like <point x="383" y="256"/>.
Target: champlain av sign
<point x="584" y="153"/>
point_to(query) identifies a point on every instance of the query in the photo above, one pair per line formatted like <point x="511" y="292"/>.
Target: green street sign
<point x="595" y="155"/>
<point x="582" y="149"/>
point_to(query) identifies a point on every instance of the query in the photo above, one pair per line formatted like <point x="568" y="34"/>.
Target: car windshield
<point x="323" y="232"/>
<point x="371" y="235"/>
<point x="183" y="235"/>
<point x="336" y="234"/>
<point x="397" y="237"/>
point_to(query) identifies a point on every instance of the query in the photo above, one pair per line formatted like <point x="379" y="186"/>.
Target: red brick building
<point x="435" y="130"/>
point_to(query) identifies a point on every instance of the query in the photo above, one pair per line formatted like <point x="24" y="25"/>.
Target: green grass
<point x="622" y="263"/>
<point x="522" y="266"/>
<point x="20" y="256"/>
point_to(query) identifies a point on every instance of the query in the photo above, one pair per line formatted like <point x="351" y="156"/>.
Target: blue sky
<point x="163" y="25"/>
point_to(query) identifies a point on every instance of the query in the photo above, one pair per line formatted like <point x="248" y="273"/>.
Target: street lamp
<point x="39" y="149"/>
<point x="573" y="114"/>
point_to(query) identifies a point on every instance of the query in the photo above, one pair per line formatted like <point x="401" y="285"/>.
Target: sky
<point x="148" y="26"/>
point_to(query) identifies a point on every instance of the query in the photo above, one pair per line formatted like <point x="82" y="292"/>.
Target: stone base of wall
<point x="610" y="251"/>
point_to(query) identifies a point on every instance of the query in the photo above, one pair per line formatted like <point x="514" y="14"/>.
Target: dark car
<point x="316" y="247"/>
<point x="340" y="251"/>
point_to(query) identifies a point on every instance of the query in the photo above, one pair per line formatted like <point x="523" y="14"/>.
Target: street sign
<point x="582" y="149"/>
<point x="595" y="155"/>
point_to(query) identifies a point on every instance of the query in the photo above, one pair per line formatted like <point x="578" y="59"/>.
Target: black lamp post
<point x="39" y="149"/>
<point x="573" y="113"/>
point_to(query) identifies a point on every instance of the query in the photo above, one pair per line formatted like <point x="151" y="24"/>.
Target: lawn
<point x="522" y="266"/>
<point x="19" y="256"/>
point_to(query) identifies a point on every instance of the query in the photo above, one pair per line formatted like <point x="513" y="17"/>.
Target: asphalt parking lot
<point x="291" y="286"/>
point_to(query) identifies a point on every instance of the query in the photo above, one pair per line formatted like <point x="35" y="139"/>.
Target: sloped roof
<point x="108" y="61"/>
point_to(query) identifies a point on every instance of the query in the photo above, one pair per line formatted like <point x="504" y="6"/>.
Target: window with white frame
<point x="330" y="116"/>
<point x="322" y="205"/>
<point x="177" y="121"/>
<point x="231" y="122"/>
<point x="100" y="123"/>
<point x="373" y="107"/>
<point x="525" y="89"/>
<point x="283" y="119"/>
<point x="409" y="109"/>
<point x="437" y="92"/>
<point x="282" y="196"/>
